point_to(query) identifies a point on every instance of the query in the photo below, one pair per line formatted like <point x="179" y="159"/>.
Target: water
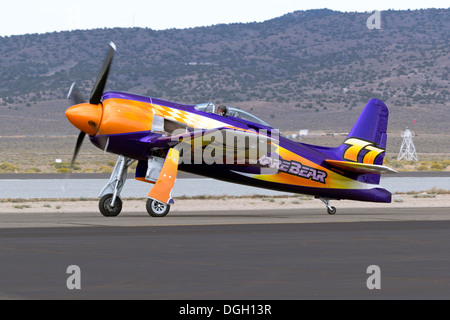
<point x="90" y="188"/>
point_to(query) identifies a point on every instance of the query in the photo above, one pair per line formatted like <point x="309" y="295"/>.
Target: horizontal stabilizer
<point x="362" y="168"/>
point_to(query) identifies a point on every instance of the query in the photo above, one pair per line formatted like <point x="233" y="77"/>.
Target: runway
<point x="285" y="255"/>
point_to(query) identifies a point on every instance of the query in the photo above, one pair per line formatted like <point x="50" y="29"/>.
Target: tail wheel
<point x="157" y="209"/>
<point x="107" y="209"/>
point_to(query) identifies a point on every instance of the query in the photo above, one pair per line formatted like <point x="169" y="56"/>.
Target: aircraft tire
<point x="331" y="211"/>
<point x="157" y="209"/>
<point x="105" y="206"/>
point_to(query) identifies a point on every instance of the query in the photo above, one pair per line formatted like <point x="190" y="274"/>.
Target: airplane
<point x="223" y="143"/>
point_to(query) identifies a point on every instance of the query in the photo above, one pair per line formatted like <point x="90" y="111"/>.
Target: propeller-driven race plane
<point x="223" y="143"/>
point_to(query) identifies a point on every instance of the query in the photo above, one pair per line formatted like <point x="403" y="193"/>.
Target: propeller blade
<point x="75" y="95"/>
<point x="97" y="91"/>
<point x="78" y="146"/>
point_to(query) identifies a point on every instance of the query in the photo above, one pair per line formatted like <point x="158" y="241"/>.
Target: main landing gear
<point x="157" y="209"/>
<point x="108" y="207"/>
<point x="110" y="203"/>
<point x="331" y="210"/>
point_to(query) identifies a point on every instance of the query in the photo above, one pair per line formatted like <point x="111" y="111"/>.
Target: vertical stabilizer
<point x="366" y="142"/>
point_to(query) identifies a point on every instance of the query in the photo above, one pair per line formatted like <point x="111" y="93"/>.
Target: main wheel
<point x="105" y="206"/>
<point x="331" y="210"/>
<point x="157" y="209"/>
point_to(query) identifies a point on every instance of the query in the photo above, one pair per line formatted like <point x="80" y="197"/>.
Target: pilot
<point x="222" y="110"/>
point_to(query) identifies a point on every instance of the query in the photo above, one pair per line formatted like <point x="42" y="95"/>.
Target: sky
<point x="31" y="16"/>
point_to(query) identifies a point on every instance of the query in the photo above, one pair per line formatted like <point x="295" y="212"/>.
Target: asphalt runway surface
<point x="287" y="255"/>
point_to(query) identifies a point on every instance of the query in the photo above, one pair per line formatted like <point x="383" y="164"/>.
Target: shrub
<point x="445" y="163"/>
<point x="437" y="167"/>
<point x="65" y="167"/>
<point x="63" y="170"/>
<point x="8" y="167"/>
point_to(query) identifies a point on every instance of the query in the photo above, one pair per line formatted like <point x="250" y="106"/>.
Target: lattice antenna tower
<point x="407" y="150"/>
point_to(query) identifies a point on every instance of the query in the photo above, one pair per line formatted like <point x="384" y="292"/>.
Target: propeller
<point x="99" y="87"/>
<point x="77" y="147"/>
<point x="76" y="97"/>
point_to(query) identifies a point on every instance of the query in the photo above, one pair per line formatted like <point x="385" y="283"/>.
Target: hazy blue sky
<point x="32" y="16"/>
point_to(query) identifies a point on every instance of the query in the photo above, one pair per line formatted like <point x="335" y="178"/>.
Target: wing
<point x="219" y="146"/>
<point x="222" y="145"/>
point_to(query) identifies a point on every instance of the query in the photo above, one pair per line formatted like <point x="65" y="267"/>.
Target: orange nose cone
<point x="85" y="117"/>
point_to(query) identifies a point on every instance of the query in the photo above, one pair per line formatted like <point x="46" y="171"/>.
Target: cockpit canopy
<point x="210" y="107"/>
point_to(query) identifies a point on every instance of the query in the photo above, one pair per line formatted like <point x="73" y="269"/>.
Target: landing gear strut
<point x="110" y="204"/>
<point x="331" y="210"/>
